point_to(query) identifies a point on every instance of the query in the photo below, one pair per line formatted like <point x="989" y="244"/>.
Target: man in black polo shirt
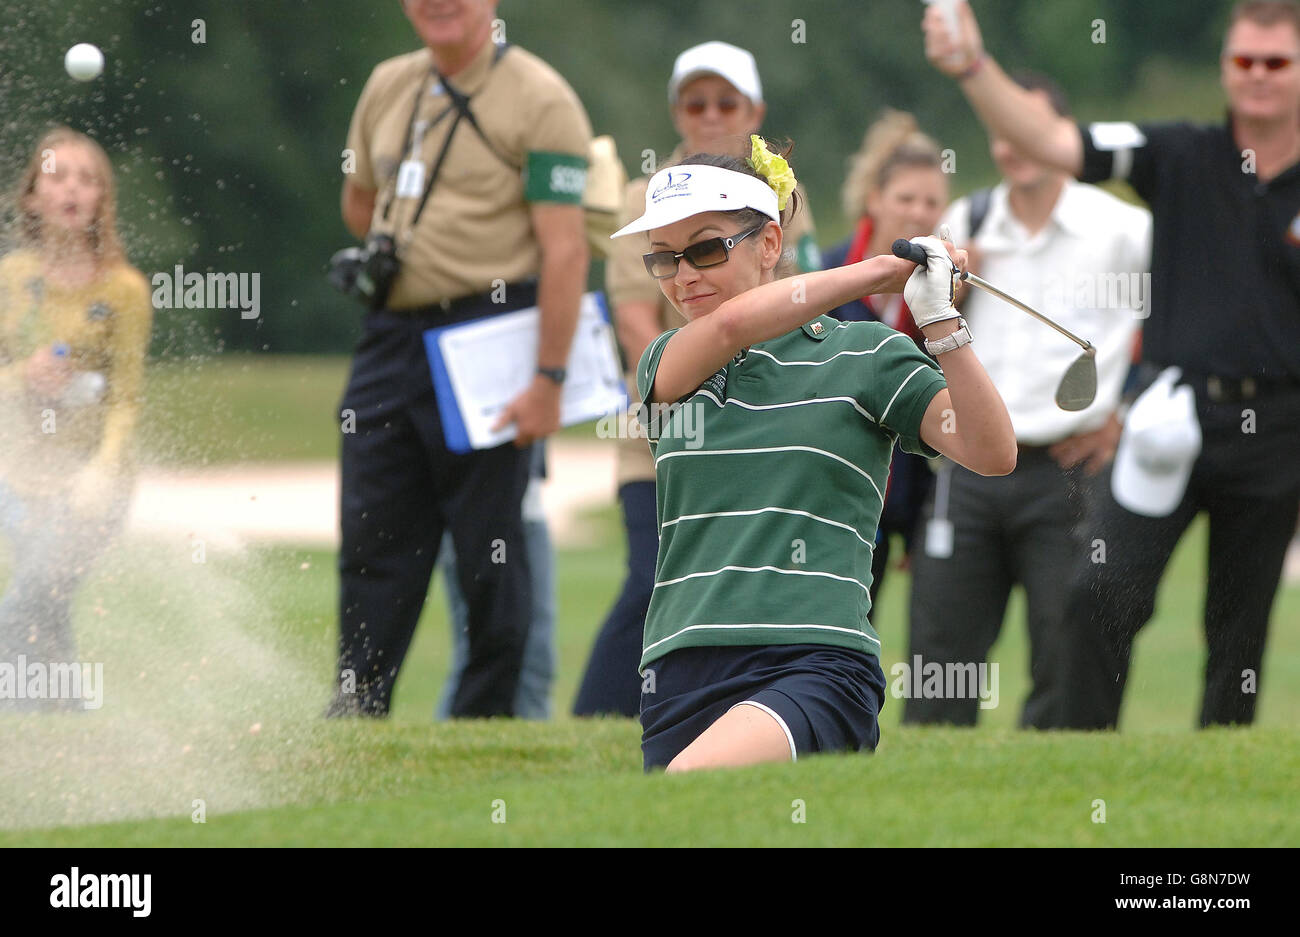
<point x="1225" y="308"/>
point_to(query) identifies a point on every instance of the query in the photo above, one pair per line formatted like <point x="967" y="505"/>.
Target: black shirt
<point x="1225" y="252"/>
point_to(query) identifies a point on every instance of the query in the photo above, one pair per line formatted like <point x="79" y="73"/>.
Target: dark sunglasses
<point x="697" y="106"/>
<point x="1273" y="62"/>
<point x="663" y="264"/>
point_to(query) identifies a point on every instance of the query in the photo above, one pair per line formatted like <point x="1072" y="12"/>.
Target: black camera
<point x="367" y="272"/>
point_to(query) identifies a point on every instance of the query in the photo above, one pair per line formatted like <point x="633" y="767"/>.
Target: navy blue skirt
<point x="828" y="698"/>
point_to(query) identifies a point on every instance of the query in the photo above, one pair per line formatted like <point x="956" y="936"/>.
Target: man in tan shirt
<point x="471" y="156"/>
<point x="716" y="100"/>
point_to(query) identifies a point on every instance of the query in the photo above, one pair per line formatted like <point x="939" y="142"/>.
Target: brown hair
<point x="894" y="141"/>
<point x="1266" y="13"/>
<point x="748" y="217"/>
<point x="103" y="229"/>
<point x="1037" y="81"/>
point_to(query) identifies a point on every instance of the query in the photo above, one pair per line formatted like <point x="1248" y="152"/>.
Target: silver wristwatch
<point x="950" y="342"/>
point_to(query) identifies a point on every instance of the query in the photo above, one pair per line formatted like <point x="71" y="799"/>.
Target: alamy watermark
<point x="632" y="423"/>
<point x="1129" y="290"/>
<point x="39" y="680"/>
<point x="933" y="680"/>
<point x="78" y="889"/>
<point x="181" y="290"/>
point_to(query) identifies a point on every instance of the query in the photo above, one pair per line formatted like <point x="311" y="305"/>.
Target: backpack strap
<point x="979" y="209"/>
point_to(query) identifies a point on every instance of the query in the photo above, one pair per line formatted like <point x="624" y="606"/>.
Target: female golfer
<point x="74" y="328"/>
<point x="716" y="98"/>
<point x="771" y="426"/>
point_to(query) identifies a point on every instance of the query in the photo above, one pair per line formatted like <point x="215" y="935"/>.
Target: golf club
<point x="1078" y="387"/>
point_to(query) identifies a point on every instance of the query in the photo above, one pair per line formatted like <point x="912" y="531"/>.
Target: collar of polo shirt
<point x="1071" y="213"/>
<point x="682" y="191"/>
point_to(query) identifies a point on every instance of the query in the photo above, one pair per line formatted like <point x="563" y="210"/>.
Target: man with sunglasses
<point x="716" y="100"/>
<point x="1225" y="309"/>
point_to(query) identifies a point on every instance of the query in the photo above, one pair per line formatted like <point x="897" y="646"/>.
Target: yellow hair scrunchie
<point x="774" y="169"/>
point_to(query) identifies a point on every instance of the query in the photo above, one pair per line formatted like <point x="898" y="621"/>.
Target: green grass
<point x="250" y="408"/>
<point x="197" y="655"/>
<point x="572" y="785"/>
<point x="242" y="407"/>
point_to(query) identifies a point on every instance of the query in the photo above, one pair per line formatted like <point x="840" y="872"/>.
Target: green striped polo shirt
<point x="771" y="478"/>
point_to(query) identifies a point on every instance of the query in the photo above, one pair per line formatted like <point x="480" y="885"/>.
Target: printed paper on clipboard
<point x="478" y="367"/>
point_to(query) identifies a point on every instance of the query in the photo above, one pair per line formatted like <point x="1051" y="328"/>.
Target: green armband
<point x="555" y="177"/>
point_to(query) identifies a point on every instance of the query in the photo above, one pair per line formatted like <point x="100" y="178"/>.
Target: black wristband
<point x="555" y="374"/>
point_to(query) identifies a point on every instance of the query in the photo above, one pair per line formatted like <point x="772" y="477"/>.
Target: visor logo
<point x="674" y="184"/>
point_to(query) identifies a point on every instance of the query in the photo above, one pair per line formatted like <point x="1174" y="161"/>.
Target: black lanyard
<point x="460" y="105"/>
<point x="406" y="145"/>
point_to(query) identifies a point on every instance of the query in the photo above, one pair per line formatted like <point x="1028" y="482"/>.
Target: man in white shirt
<point x="1080" y="256"/>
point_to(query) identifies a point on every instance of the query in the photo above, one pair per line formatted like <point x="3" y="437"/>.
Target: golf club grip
<point x="908" y="251"/>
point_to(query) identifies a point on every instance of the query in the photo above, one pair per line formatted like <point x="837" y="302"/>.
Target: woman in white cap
<point x="716" y="100"/>
<point x="772" y="426"/>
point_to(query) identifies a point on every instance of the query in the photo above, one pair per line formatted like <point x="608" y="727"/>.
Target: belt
<point x="1219" y="389"/>
<point x="1236" y="390"/>
<point x="507" y="298"/>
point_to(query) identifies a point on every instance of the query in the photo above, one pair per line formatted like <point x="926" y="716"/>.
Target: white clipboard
<point x="478" y="367"/>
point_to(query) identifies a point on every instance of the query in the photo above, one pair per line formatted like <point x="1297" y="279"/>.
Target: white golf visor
<point x="682" y="191"/>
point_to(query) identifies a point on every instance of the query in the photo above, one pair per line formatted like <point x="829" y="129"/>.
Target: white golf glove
<point x="930" y="289"/>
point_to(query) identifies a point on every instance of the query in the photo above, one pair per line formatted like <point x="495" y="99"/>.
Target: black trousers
<point x="401" y="488"/>
<point x="1246" y="480"/>
<point x="1111" y="601"/>
<point x="1023" y="529"/>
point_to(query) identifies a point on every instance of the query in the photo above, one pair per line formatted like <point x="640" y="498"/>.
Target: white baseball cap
<point x="717" y="58"/>
<point x="1157" y="449"/>
<point x="682" y="191"/>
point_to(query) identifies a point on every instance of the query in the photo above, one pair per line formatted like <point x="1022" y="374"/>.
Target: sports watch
<point x="555" y="374"/>
<point x="950" y="342"/>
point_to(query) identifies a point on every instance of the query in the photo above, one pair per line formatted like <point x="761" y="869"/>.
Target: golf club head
<point x="1078" y="387"/>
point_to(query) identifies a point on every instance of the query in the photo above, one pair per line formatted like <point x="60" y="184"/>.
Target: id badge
<point x="410" y="178"/>
<point x="939" y="538"/>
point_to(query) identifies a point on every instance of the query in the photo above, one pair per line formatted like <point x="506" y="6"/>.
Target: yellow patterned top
<point x="103" y="327"/>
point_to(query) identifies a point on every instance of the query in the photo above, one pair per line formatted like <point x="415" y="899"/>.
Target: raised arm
<point x="967" y="420"/>
<point x="705" y="344"/>
<point x="1004" y="107"/>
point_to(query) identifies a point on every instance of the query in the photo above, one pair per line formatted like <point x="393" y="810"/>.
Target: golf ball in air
<point x="84" y="62"/>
